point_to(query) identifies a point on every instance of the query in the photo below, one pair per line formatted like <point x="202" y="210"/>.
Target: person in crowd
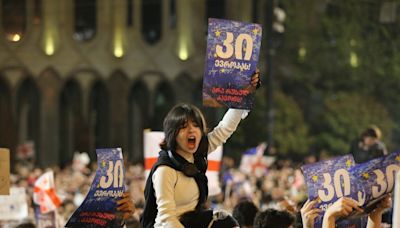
<point x="208" y="219"/>
<point x="272" y="218"/>
<point x="177" y="182"/>
<point x="245" y="212"/>
<point x="368" y="146"/>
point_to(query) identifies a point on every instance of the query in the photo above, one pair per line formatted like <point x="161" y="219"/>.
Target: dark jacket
<point x="149" y="214"/>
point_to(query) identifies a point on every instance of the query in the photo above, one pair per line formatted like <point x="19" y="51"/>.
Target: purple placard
<point x="99" y="207"/>
<point x="375" y="178"/>
<point x="329" y="180"/>
<point x="232" y="54"/>
<point x="366" y="183"/>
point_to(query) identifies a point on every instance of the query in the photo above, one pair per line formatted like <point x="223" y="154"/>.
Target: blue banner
<point x="232" y="54"/>
<point x="99" y="207"/>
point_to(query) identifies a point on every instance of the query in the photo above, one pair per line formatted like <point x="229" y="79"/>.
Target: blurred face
<point x="369" y="141"/>
<point x="188" y="139"/>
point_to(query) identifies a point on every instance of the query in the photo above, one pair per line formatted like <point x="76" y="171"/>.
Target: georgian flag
<point x="44" y="193"/>
<point x="152" y="140"/>
<point x="254" y="162"/>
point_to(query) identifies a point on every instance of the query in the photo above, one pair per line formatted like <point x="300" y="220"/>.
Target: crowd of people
<point x="175" y="194"/>
<point x="280" y="194"/>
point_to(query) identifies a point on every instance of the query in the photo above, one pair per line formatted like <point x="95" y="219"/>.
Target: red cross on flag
<point x="44" y="193"/>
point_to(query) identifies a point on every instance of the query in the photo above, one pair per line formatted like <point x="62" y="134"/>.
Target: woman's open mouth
<point x="191" y="142"/>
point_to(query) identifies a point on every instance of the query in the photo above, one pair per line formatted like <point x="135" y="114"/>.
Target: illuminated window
<point x="14" y="19"/>
<point x="151" y="19"/>
<point x="85" y="20"/>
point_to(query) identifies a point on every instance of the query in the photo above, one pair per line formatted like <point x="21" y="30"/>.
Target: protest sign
<point x="14" y="206"/>
<point x="99" y="207"/>
<point x="232" y="54"/>
<point x="375" y="178"/>
<point x="328" y="180"/>
<point x="4" y="171"/>
<point x="366" y="183"/>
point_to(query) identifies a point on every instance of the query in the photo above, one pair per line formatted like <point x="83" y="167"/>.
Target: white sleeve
<point x="225" y="128"/>
<point x="164" y="179"/>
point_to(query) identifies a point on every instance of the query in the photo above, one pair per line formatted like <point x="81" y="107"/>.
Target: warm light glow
<point x="118" y="51"/>
<point x="49" y="49"/>
<point x="49" y="45"/>
<point x="118" y="44"/>
<point x="353" y="59"/>
<point x="183" y="54"/>
<point x="15" y="37"/>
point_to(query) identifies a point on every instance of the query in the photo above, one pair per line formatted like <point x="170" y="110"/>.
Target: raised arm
<point x="225" y="128"/>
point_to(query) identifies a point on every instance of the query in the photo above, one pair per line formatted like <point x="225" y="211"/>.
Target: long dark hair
<point x="176" y="119"/>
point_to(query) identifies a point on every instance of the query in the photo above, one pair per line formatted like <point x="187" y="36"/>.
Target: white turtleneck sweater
<point x="176" y="193"/>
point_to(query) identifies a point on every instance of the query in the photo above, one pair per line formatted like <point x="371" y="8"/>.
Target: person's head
<point x="245" y="212"/>
<point x="208" y="219"/>
<point x="369" y="136"/>
<point x="184" y="127"/>
<point x="272" y="218"/>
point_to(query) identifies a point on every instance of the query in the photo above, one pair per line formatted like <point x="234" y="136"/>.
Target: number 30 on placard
<point x="229" y="49"/>
<point x="384" y="186"/>
<point x="329" y="191"/>
<point x="384" y="183"/>
<point x="114" y="176"/>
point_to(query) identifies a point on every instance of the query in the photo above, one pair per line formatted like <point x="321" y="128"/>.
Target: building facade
<point x="76" y="75"/>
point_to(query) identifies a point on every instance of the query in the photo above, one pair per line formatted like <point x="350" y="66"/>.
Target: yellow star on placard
<point x="217" y="33"/>
<point x="103" y="163"/>
<point x="255" y="31"/>
<point x="348" y="163"/>
<point x="215" y="55"/>
<point x="398" y="158"/>
<point x="315" y="178"/>
<point x="222" y="70"/>
<point x="366" y="176"/>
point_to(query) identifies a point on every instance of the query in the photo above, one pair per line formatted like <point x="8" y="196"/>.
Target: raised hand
<point x="125" y="205"/>
<point x="309" y="213"/>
